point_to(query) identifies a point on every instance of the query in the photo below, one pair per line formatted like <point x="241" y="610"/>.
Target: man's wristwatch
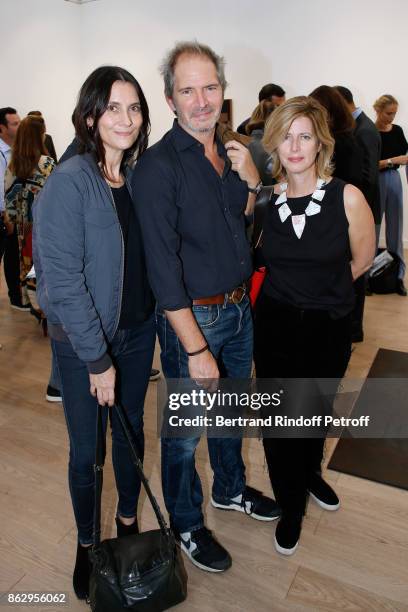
<point x="257" y="189"/>
<point x="389" y="163"/>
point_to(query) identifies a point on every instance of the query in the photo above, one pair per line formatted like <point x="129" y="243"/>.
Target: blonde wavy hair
<point x="278" y="125"/>
<point x="383" y="101"/>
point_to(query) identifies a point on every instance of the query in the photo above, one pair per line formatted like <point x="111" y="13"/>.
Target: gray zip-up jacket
<point x="79" y="259"/>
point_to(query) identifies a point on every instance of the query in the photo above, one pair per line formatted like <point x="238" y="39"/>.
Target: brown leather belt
<point x="234" y="297"/>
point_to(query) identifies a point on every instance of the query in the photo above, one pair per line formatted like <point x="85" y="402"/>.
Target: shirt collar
<point x="4" y="146"/>
<point x="183" y="140"/>
<point x="356" y="113"/>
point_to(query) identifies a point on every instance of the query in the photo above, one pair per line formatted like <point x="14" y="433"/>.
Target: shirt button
<point x="235" y="235"/>
<point x="242" y="262"/>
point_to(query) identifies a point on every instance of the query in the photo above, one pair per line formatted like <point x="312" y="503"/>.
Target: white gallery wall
<point x="49" y="47"/>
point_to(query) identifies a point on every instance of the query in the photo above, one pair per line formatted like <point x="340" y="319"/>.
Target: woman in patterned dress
<point x="26" y="174"/>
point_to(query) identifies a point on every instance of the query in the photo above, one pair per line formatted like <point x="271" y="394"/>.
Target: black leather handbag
<point x="385" y="279"/>
<point x="142" y="572"/>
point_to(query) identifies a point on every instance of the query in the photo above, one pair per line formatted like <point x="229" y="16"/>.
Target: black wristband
<point x="202" y="350"/>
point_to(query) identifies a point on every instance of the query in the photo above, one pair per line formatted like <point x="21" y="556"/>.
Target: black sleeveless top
<point x="311" y="272"/>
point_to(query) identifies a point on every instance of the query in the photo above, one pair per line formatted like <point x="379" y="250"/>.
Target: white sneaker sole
<point x="52" y="398"/>
<point x="285" y="551"/>
<point x="196" y="563"/>
<point x="239" y="508"/>
<point x="20" y="308"/>
<point x="319" y="502"/>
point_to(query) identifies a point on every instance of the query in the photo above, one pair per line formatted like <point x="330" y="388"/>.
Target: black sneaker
<point x="287" y="534"/>
<point x="204" y="551"/>
<point x="53" y="395"/>
<point x="323" y="494"/>
<point x="154" y="374"/>
<point x="253" y="503"/>
<point x="21" y="306"/>
<point x="401" y="289"/>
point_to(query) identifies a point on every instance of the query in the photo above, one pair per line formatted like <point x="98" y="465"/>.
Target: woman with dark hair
<point x="93" y="287"/>
<point x="318" y="236"/>
<point x="26" y="174"/>
<point x="48" y="141"/>
<point x="394" y="148"/>
<point x="347" y="156"/>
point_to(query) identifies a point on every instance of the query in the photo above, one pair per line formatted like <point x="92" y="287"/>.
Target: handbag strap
<point x="98" y="469"/>
<point x="262" y="202"/>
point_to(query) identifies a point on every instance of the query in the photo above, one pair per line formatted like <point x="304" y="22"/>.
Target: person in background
<point x="49" y="144"/>
<point x="92" y="285"/>
<point x="318" y="236"/>
<point x="255" y="128"/>
<point x="394" y="148"/>
<point x="369" y="140"/>
<point x="9" y="122"/>
<point x="273" y="93"/>
<point x="28" y="169"/>
<point x="347" y="157"/>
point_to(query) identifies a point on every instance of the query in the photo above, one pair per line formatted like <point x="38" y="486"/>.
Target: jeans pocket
<point x="206" y="316"/>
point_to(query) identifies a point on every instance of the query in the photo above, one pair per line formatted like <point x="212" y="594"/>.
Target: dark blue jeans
<point x="228" y="331"/>
<point x="132" y="354"/>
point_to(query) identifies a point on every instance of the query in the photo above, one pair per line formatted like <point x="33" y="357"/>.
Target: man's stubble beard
<point x="196" y="129"/>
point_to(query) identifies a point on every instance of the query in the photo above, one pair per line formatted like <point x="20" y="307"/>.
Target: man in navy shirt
<point x="192" y="194"/>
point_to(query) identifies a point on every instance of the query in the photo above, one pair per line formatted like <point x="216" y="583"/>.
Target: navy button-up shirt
<point x="192" y="220"/>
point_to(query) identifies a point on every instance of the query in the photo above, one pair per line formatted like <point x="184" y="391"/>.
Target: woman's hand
<point x="400" y="160"/>
<point x="103" y="386"/>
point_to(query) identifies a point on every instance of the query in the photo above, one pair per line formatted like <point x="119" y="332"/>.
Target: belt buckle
<point x="234" y="298"/>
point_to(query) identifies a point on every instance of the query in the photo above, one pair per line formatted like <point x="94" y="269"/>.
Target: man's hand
<point x="103" y="386"/>
<point x="242" y="162"/>
<point x="204" y="370"/>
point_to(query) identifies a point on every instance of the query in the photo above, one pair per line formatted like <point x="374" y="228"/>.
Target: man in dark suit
<point x="271" y="92"/>
<point x="369" y="140"/>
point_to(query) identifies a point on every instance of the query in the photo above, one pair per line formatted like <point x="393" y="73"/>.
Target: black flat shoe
<point x="123" y="530"/>
<point x="82" y="572"/>
<point x="287" y="534"/>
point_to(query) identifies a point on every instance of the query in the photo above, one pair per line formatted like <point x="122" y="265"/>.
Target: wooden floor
<point x="353" y="560"/>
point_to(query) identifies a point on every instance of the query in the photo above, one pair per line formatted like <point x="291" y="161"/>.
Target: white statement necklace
<point x="313" y="208"/>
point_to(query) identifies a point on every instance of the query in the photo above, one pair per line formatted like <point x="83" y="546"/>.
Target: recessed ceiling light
<point x="81" y="1"/>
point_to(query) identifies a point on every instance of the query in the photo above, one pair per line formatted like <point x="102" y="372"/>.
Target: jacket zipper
<point x="122" y="267"/>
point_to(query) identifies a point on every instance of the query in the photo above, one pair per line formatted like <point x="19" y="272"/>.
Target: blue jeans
<point x="228" y="331"/>
<point x="391" y="199"/>
<point x="132" y="354"/>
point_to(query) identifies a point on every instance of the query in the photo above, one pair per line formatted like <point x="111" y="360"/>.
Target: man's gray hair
<point x="189" y="48"/>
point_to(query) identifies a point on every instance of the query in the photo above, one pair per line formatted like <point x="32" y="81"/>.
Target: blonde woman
<point x="394" y="148"/>
<point x="318" y="237"/>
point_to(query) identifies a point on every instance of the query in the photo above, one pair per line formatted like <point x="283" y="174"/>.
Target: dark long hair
<point x="28" y="147"/>
<point x="340" y="119"/>
<point x="93" y="101"/>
